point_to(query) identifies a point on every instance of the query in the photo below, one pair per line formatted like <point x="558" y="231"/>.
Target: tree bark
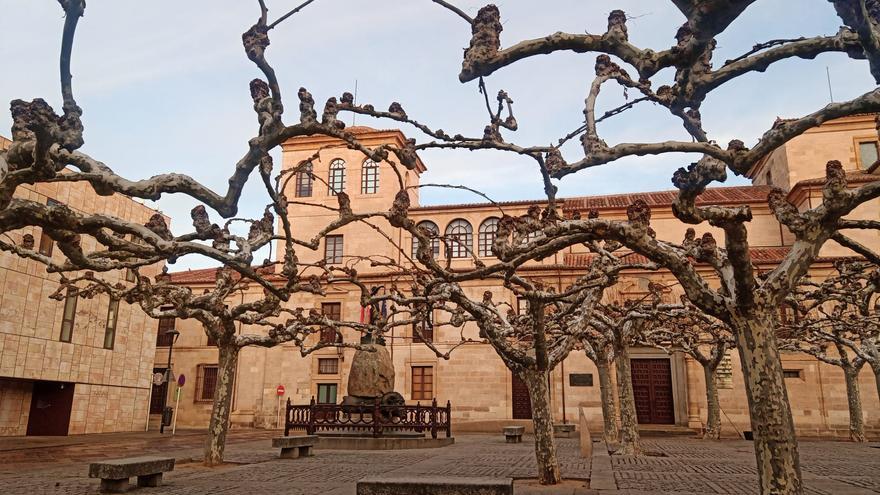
<point x="542" y="418"/>
<point x="630" y="443"/>
<point x="609" y="407"/>
<point x="219" y="424"/>
<point x="854" y="402"/>
<point x="776" y="452"/>
<point x="713" y="416"/>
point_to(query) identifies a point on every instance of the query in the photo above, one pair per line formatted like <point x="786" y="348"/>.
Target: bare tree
<point x="702" y="337"/>
<point x="840" y="314"/>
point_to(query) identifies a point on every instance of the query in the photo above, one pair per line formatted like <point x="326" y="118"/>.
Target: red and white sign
<point x="280" y="390"/>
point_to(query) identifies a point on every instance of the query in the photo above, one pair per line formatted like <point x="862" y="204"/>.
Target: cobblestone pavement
<point x="684" y="465"/>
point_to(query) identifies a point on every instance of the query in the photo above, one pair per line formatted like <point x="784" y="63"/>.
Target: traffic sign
<point x="181" y="380"/>
<point x="280" y="390"/>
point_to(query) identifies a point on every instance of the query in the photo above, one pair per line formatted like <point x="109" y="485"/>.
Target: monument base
<point x="387" y="442"/>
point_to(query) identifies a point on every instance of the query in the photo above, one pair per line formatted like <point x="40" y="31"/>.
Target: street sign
<point x="158" y="379"/>
<point x="181" y="380"/>
<point x="280" y="390"/>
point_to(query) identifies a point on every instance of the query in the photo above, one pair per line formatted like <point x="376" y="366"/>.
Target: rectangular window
<point x="426" y="327"/>
<point x="792" y="374"/>
<point x="422" y="382"/>
<point x="867" y="154"/>
<point x="47" y="245"/>
<point x="69" y="315"/>
<point x="304" y="182"/>
<point x="333" y="249"/>
<point x="165" y="324"/>
<point x="129" y="275"/>
<point x="369" y="177"/>
<point x="332" y="311"/>
<point x="327" y="393"/>
<point x="522" y="306"/>
<point x="110" y="329"/>
<point x="328" y="366"/>
<point x="206" y="382"/>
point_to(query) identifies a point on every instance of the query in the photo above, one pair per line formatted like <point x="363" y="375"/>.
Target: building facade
<point x="483" y="392"/>
<point x="78" y="365"/>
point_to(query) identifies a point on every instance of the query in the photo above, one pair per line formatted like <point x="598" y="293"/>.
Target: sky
<point x="164" y="84"/>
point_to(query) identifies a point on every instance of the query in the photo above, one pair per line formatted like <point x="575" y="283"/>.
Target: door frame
<point x="679" y="378"/>
<point x="64" y="416"/>
<point x="514" y="378"/>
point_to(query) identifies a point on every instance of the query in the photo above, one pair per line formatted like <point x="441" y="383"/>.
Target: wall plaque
<point x="580" y="379"/>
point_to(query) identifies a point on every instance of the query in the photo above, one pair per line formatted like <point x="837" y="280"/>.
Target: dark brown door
<point x="160" y="393"/>
<point x="51" y="403"/>
<point x="522" y="404"/>
<point x="652" y="388"/>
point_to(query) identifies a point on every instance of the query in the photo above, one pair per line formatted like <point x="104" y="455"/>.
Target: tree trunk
<point x="542" y="417"/>
<point x="219" y="424"/>
<point x="609" y="407"/>
<point x="779" y="470"/>
<point x="854" y="401"/>
<point x="713" y="417"/>
<point x="630" y="443"/>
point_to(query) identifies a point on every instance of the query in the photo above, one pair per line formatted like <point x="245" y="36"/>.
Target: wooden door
<point x="160" y="393"/>
<point x="51" y="403"/>
<point x="652" y="389"/>
<point x="522" y="403"/>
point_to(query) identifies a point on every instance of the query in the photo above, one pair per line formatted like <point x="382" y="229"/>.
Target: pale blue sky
<point x="164" y="83"/>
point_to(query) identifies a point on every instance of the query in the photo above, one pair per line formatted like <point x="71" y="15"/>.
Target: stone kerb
<point x="385" y="485"/>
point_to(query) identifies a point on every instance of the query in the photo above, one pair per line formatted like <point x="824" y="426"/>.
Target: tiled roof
<point x="759" y="255"/>
<point x="712" y="196"/>
<point x="199" y="276"/>
<point x="853" y="177"/>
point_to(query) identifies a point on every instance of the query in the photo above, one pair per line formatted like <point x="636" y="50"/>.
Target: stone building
<point x="73" y="366"/>
<point x="483" y="393"/>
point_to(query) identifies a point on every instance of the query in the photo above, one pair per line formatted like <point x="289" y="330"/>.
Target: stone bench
<point x="513" y="434"/>
<point x="294" y="447"/>
<point x="115" y="473"/>
<point x="434" y="485"/>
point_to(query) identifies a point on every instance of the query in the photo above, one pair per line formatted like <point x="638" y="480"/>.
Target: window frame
<point x="304" y="182"/>
<point x="427" y="328"/>
<point x="325" y="335"/>
<point x="456" y="247"/>
<point x="859" y="161"/>
<point x="336" y="255"/>
<point x="431" y="227"/>
<point x="163" y="326"/>
<point x="336" y="176"/>
<point x="329" y="386"/>
<point x="424" y="393"/>
<point x="327" y="371"/>
<point x="69" y="323"/>
<point x="486" y="237"/>
<point x="112" y="323"/>
<point x="47" y="244"/>
<point x="369" y="177"/>
<point x="201" y="381"/>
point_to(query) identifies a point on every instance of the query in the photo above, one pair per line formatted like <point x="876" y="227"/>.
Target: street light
<point x="168" y="410"/>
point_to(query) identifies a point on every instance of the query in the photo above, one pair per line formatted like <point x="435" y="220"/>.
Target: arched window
<point x="304" y="182"/>
<point x="459" y="238"/>
<point x="486" y="236"/>
<point x="369" y="177"/>
<point x="433" y="232"/>
<point x="337" y="177"/>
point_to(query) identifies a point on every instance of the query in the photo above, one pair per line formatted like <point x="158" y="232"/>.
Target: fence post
<point x="376" y="428"/>
<point x="310" y="427"/>
<point x="448" y="419"/>
<point x="434" y="418"/>
<point x="419" y="421"/>
<point x="287" y="418"/>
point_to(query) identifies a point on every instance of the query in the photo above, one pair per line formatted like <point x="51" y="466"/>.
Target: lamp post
<point x="168" y="410"/>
